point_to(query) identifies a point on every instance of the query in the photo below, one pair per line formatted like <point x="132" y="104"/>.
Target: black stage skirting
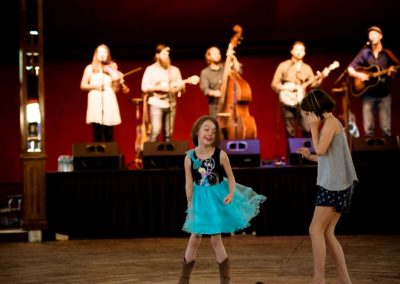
<point x="141" y="203"/>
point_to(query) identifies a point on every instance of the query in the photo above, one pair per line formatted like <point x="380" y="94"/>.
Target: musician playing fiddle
<point x="102" y="80"/>
<point x="211" y="76"/>
<point x="290" y="81"/>
<point x="376" y="95"/>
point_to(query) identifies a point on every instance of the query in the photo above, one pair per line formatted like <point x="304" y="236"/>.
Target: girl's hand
<point x="228" y="198"/>
<point x="303" y="151"/>
<point x="313" y="119"/>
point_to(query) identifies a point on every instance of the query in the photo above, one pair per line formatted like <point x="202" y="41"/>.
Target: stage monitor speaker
<point x="97" y="156"/>
<point x="242" y="153"/>
<point x="376" y="150"/>
<point x="296" y="143"/>
<point x="164" y="154"/>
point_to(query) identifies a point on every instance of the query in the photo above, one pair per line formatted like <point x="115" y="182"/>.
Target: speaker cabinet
<point x="376" y="150"/>
<point x="242" y="153"/>
<point x="97" y="156"/>
<point x="296" y="143"/>
<point x="164" y="154"/>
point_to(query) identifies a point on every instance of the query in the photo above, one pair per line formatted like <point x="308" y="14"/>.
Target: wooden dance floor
<point x="268" y="259"/>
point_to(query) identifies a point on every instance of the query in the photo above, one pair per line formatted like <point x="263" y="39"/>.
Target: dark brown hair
<point x="318" y="101"/>
<point x="199" y="122"/>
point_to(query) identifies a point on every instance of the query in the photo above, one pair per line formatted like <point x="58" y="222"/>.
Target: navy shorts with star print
<point x="339" y="199"/>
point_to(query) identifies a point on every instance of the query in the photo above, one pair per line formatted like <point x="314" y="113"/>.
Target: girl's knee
<point x="195" y="241"/>
<point x="215" y="241"/>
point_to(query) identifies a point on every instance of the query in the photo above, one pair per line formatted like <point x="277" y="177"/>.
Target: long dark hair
<point x="199" y="122"/>
<point x="318" y="101"/>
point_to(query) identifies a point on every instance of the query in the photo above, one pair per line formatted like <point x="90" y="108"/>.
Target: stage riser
<point x="139" y="203"/>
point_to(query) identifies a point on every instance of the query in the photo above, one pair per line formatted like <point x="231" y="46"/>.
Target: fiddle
<point x="117" y="77"/>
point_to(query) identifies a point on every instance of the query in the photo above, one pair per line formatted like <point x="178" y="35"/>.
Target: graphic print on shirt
<point x="208" y="176"/>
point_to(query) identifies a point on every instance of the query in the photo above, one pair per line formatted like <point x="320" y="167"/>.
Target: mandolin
<point x="160" y="99"/>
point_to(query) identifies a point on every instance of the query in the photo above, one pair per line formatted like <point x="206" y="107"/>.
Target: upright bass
<point x="233" y="105"/>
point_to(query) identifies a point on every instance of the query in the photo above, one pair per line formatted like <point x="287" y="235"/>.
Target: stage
<point x="152" y="202"/>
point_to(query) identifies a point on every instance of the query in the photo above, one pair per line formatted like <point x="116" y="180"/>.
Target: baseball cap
<point x="375" y="28"/>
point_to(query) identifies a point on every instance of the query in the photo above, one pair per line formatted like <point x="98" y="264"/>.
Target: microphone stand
<point x="101" y="126"/>
<point x="169" y="138"/>
<point x="170" y="101"/>
<point x="344" y="73"/>
<point x="345" y="89"/>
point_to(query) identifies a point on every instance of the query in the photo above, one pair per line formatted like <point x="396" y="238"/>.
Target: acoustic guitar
<point x="292" y="94"/>
<point x="376" y="78"/>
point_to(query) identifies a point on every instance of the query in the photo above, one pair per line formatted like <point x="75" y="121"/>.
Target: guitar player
<point x="290" y="81"/>
<point x="371" y="73"/>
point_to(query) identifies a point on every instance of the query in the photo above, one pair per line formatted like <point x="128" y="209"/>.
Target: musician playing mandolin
<point x="163" y="83"/>
<point x="371" y="72"/>
<point x="291" y="79"/>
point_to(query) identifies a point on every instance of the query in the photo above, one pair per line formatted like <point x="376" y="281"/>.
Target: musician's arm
<point x="356" y="74"/>
<point x="277" y="83"/>
<point x="86" y="82"/>
<point x="206" y="85"/>
<point x="355" y="65"/>
<point x="236" y="65"/>
<point x="178" y="86"/>
<point x="154" y="88"/>
<point x="392" y="71"/>
<point x="314" y="81"/>
<point x="319" y="78"/>
<point x="149" y="85"/>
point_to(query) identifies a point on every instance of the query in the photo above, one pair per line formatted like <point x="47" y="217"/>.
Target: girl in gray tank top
<point x="335" y="181"/>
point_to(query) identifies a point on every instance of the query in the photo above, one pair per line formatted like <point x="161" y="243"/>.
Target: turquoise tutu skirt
<point x="209" y="215"/>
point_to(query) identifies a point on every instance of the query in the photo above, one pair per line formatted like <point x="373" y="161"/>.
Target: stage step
<point x="13" y="235"/>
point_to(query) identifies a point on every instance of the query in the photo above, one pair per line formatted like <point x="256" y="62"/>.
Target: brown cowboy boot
<point x="224" y="272"/>
<point x="186" y="270"/>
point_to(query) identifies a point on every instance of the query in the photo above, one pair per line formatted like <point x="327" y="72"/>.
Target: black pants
<point x="102" y="133"/>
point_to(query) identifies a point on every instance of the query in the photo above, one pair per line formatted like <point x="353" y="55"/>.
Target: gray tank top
<point x="335" y="168"/>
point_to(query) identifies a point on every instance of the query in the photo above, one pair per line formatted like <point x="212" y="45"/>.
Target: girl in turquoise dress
<point x="216" y="203"/>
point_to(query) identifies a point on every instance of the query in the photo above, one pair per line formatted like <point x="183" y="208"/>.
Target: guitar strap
<point x="392" y="56"/>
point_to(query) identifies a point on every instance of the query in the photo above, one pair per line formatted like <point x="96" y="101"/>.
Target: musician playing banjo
<point x="371" y="72"/>
<point x="291" y="79"/>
